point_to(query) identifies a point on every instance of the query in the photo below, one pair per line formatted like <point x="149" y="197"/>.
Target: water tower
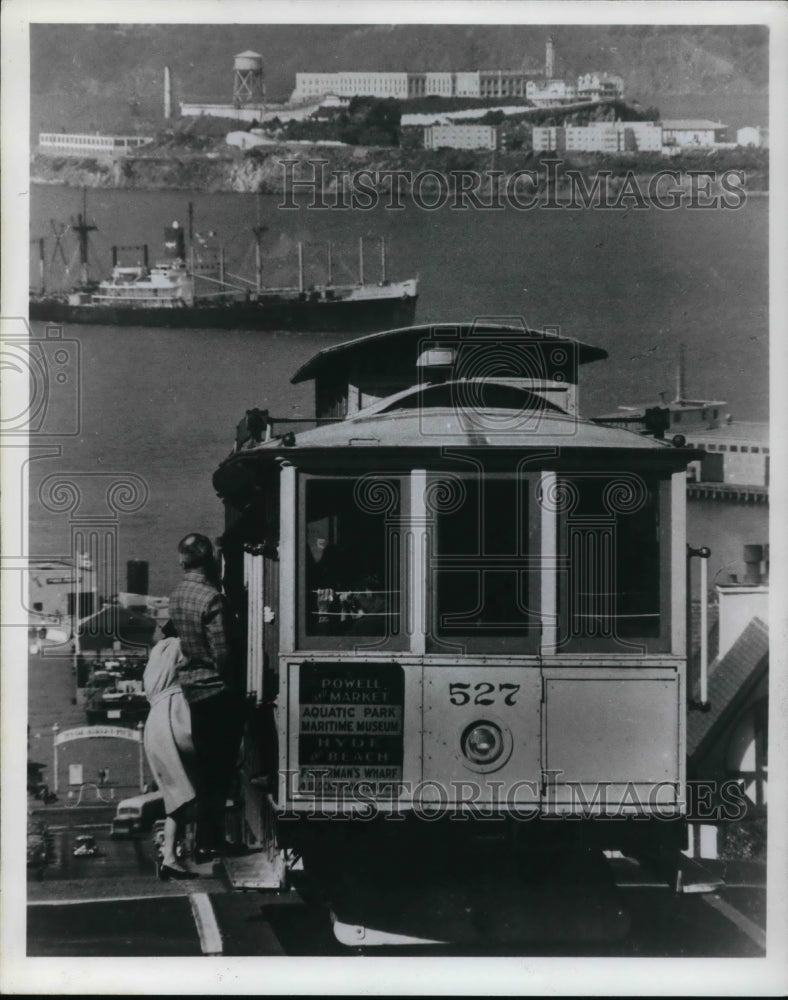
<point x="248" y="80"/>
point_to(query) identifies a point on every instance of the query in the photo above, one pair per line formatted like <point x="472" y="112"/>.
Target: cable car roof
<point x="341" y="356"/>
<point x="502" y="428"/>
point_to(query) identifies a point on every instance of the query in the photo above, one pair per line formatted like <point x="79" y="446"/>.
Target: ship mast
<point x="258" y="231"/>
<point x="191" y="238"/>
<point x="41" y="264"/>
<point x="81" y="227"/>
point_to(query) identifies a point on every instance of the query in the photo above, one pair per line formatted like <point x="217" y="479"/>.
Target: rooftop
<point x="637" y="410"/>
<point x="730" y="680"/>
<point x="691" y="123"/>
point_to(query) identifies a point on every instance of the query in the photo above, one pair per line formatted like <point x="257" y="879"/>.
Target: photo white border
<point x="563" y="976"/>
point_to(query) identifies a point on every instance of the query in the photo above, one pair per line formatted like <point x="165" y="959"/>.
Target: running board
<point x="257" y="870"/>
<point x="684" y="875"/>
<point x="358" y="936"/>
<point x="692" y="876"/>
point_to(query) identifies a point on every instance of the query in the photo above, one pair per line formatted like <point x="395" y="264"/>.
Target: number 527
<point x="484" y="693"/>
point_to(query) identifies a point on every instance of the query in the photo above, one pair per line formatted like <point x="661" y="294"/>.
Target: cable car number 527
<point x="482" y="693"/>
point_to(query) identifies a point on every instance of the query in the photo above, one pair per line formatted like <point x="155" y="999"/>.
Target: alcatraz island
<point x="395" y="125"/>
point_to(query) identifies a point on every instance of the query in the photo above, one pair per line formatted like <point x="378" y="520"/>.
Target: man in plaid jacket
<point x="203" y="622"/>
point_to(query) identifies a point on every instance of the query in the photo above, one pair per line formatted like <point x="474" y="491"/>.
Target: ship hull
<point x="301" y="314"/>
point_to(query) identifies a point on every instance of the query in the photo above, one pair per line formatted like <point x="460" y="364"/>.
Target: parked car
<point x="137" y="814"/>
<point x="85" y="846"/>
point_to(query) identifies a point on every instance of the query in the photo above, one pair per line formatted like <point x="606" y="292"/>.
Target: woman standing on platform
<point x="169" y="746"/>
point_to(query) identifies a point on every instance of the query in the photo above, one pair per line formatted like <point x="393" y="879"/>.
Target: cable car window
<point x="483" y="563"/>
<point x="612" y="560"/>
<point x="349" y="560"/>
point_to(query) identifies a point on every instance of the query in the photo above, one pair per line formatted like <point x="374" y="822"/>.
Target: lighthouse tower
<point x="548" y="58"/>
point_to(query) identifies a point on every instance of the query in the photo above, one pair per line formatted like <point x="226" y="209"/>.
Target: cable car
<point x="465" y="614"/>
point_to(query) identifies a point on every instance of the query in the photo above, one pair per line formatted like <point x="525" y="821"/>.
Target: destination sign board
<point x="92" y="732"/>
<point x="350" y="727"/>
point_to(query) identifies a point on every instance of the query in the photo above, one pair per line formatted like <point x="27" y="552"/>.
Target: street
<point x="113" y="905"/>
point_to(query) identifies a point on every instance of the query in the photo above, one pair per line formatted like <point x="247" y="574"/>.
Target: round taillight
<point x="482" y="743"/>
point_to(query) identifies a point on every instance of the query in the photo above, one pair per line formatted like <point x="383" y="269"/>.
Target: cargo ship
<point x="194" y="290"/>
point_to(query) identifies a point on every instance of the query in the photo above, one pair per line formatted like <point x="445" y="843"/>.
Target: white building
<point x="73" y="144"/>
<point x="247" y="113"/>
<point x="736" y="453"/>
<point x="549" y="138"/>
<point x="248" y="140"/>
<point x="753" y="135"/>
<point x="645" y="136"/>
<point x="692" y="132"/>
<point x="599" y="87"/>
<point x="496" y="83"/>
<point x="547" y="93"/>
<point x="467" y="84"/>
<point x="599" y="137"/>
<point x="461" y="136"/>
<point x="430" y="84"/>
<point x="350" y="84"/>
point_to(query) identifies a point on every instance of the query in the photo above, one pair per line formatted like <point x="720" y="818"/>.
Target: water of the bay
<point x="163" y="404"/>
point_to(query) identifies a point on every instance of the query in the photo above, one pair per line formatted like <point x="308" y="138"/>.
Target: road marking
<point x="83" y="900"/>
<point x="749" y="927"/>
<point x="664" y="885"/>
<point x="104" y="899"/>
<point x="205" y="920"/>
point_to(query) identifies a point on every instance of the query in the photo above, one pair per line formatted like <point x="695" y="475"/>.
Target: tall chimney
<point x="167" y="93"/>
<point x="548" y="58"/>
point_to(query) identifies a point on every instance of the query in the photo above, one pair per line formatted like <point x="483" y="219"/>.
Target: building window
<point x="723" y="447"/>
<point x="711" y="447"/>
<point x="744" y="448"/>
<point x="734" y="447"/>
<point x="755" y="449"/>
<point x="677" y="418"/>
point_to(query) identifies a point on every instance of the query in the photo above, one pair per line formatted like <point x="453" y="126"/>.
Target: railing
<point x="702" y="703"/>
